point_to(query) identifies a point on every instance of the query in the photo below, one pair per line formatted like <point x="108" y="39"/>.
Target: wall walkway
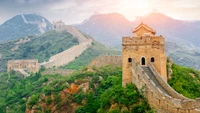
<point x="70" y="54"/>
<point x="159" y="94"/>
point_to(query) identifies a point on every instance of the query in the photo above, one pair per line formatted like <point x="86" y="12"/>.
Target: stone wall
<point x="107" y="60"/>
<point x="76" y="33"/>
<point x="143" y="49"/>
<point x="58" y="71"/>
<point x="72" y="53"/>
<point x="164" y="84"/>
<point x="67" y="56"/>
<point x="26" y="65"/>
<point x="162" y="102"/>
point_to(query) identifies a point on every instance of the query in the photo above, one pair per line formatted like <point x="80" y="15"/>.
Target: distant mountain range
<point x="107" y="28"/>
<point x="182" y="37"/>
<point x="114" y="26"/>
<point x="24" y="25"/>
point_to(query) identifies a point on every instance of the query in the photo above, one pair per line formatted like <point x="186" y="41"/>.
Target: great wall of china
<point x="72" y="53"/>
<point x="146" y="76"/>
<point x="159" y="94"/>
<point x="62" y="72"/>
<point x="144" y="64"/>
<point x="59" y="59"/>
<point x="105" y="60"/>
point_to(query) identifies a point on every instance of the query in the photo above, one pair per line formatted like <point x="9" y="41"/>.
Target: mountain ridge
<point x="179" y="32"/>
<point x="24" y="25"/>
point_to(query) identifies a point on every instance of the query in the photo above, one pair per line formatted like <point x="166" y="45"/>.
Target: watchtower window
<point x="152" y="59"/>
<point x="143" y="61"/>
<point x="129" y="60"/>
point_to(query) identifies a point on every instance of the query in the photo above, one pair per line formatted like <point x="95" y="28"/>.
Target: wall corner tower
<point x="143" y="47"/>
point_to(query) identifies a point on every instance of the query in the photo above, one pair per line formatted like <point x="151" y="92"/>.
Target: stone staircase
<point x="22" y="72"/>
<point x="152" y="77"/>
<point x="159" y="93"/>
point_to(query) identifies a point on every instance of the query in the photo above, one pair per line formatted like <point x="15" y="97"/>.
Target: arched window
<point x="129" y="60"/>
<point x="152" y="59"/>
<point x="143" y="61"/>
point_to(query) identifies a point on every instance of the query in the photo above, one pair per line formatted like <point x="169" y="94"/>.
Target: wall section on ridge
<point x="162" y="102"/>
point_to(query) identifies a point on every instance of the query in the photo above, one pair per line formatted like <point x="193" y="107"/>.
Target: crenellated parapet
<point x="29" y="65"/>
<point x="143" y="40"/>
<point x="59" y="25"/>
<point x="107" y="60"/>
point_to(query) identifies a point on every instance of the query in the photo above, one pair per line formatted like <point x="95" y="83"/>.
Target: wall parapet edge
<point x="167" y="87"/>
<point x="159" y="100"/>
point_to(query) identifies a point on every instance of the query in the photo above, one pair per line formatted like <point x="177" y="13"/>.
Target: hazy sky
<point x="75" y="11"/>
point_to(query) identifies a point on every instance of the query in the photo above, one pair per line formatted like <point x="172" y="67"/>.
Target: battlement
<point x="30" y="65"/>
<point x="62" y="72"/>
<point x="58" y="25"/>
<point x="107" y="60"/>
<point x="143" y="40"/>
<point x="22" y="60"/>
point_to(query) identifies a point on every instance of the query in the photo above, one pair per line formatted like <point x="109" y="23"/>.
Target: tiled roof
<point x="145" y="26"/>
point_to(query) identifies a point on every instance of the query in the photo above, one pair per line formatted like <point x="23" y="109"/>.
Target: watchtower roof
<point x="142" y="25"/>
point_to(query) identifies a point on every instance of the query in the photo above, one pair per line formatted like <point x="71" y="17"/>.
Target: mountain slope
<point x="182" y="55"/>
<point x="83" y="92"/>
<point x="24" y="25"/>
<point x="53" y="45"/>
<point x="106" y="28"/>
<point x="185" y="81"/>
<point x="39" y="47"/>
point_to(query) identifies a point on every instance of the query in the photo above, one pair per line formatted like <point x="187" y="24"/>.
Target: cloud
<point x="75" y="11"/>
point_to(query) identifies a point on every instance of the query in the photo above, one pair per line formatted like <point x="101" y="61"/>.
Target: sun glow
<point x="133" y="8"/>
<point x="141" y="4"/>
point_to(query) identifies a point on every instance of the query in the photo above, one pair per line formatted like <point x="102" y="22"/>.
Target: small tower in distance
<point x="58" y="25"/>
<point x="143" y="47"/>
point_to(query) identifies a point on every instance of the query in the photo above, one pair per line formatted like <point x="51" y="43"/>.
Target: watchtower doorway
<point x="129" y="60"/>
<point x="143" y="61"/>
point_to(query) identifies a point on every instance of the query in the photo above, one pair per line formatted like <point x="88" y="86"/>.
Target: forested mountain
<point x="88" y="90"/>
<point x="24" y="25"/>
<point x="40" y="47"/>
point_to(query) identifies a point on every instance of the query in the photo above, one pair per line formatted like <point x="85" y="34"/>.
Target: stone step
<point x="153" y="78"/>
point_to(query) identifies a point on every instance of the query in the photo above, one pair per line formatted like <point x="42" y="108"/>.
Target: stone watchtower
<point x="143" y="47"/>
<point x="58" y="25"/>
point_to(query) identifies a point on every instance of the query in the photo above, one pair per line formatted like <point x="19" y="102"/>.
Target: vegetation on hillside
<point x="87" y="56"/>
<point x="50" y="93"/>
<point x="185" y="81"/>
<point x="40" y="47"/>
